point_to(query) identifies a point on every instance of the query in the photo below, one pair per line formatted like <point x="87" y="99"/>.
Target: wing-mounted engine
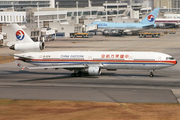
<point x="94" y="71"/>
<point x="33" y="46"/>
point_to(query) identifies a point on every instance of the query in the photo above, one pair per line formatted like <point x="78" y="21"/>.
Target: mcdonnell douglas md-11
<point x="85" y="61"/>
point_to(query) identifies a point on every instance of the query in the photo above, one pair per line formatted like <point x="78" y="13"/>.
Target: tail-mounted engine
<point x="34" y="46"/>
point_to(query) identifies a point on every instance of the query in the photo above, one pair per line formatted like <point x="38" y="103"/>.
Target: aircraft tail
<point x="23" y="42"/>
<point x="150" y="18"/>
<point x="20" y="34"/>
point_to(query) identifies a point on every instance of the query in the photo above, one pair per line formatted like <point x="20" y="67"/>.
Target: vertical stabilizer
<point x="24" y="42"/>
<point x="150" y="18"/>
<point x="20" y="34"/>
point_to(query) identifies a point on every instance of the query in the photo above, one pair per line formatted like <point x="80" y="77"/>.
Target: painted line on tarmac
<point x="176" y="93"/>
<point x="84" y="85"/>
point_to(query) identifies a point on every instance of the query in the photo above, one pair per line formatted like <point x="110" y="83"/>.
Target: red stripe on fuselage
<point x="132" y="61"/>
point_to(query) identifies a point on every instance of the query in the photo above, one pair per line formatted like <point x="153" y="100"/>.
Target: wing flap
<point x="58" y="67"/>
<point x="70" y="66"/>
<point x="63" y="66"/>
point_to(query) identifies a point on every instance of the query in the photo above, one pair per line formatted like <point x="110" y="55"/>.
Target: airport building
<point x="48" y="16"/>
<point x="25" y="3"/>
<point x="167" y="4"/>
<point x="66" y="3"/>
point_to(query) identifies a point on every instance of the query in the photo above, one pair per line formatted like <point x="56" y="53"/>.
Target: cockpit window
<point x="169" y="58"/>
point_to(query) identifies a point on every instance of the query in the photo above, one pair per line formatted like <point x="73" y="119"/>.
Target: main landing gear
<point x="151" y="73"/>
<point x="77" y="73"/>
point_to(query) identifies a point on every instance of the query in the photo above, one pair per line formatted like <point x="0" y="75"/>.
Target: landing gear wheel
<point x="79" y="74"/>
<point x="151" y="75"/>
<point x="73" y="75"/>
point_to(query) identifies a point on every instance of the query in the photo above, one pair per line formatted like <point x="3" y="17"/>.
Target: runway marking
<point x="105" y="94"/>
<point x="176" y="93"/>
<point x="5" y="86"/>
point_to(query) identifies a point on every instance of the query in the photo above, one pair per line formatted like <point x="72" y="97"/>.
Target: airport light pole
<point x="147" y="6"/>
<point x="57" y="3"/>
<point x="38" y="12"/>
<point x="77" y="19"/>
<point x="12" y="3"/>
<point x="130" y="8"/>
<point x="176" y="4"/>
<point x="117" y="8"/>
<point x="171" y="5"/>
<point x="168" y="5"/>
<point x="90" y="8"/>
<point x="106" y="10"/>
<point x="157" y="3"/>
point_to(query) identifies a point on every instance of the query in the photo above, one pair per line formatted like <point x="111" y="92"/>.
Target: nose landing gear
<point x="151" y="73"/>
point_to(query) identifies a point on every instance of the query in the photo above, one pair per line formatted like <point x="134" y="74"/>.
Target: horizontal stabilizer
<point x="20" y="65"/>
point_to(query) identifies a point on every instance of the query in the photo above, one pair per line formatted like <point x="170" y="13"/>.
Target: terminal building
<point x="25" y="3"/>
<point x="65" y="3"/>
<point x="65" y="16"/>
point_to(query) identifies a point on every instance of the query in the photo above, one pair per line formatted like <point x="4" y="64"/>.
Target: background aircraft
<point x="86" y="61"/>
<point x="167" y="23"/>
<point x="120" y="28"/>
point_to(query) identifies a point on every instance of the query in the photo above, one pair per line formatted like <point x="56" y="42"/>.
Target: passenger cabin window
<point x="169" y="58"/>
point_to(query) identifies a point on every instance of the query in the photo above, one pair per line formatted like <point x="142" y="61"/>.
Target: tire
<point x="151" y="75"/>
<point x="73" y="75"/>
<point x="79" y="74"/>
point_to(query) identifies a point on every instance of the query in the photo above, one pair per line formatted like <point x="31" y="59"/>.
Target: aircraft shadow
<point x="63" y="76"/>
<point x="130" y="75"/>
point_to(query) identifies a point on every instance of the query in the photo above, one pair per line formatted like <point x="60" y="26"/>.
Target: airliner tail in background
<point x="150" y="18"/>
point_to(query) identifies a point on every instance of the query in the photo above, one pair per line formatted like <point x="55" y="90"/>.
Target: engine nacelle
<point x="34" y="46"/>
<point x="114" y="32"/>
<point x="161" y="25"/>
<point x="94" y="71"/>
<point x="127" y="31"/>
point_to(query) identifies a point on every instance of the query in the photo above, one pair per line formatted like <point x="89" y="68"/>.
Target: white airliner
<point x="86" y="61"/>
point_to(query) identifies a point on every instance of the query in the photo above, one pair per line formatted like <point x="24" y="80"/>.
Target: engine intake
<point x="94" y="71"/>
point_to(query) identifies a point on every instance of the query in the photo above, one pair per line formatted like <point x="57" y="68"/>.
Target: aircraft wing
<point x="58" y="67"/>
<point x="65" y="66"/>
<point x="148" y="26"/>
<point x="125" y="30"/>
